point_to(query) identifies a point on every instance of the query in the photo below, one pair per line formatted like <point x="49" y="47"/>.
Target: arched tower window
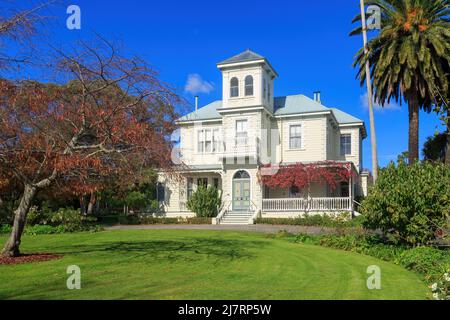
<point x="248" y="85"/>
<point x="234" y="88"/>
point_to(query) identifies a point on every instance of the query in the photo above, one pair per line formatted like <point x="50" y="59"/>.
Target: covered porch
<point x="309" y="188"/>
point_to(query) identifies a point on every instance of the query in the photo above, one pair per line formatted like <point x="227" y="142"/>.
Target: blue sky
<point x="307" y="42"/>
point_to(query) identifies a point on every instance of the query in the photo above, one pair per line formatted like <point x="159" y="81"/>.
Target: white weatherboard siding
<point x="313" y="140"/>
<point x="269" y="122"/>
<point x="355" y="156"/>
<point x="189" y="144"/>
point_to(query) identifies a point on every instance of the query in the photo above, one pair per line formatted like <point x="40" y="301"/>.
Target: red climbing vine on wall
<point x="303" y="176"/>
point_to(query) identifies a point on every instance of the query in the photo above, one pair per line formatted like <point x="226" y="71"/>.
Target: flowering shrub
<point x="441" y="288"/>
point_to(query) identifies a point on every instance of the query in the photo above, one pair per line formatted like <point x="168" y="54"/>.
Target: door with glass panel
<point x="241" y="191"/>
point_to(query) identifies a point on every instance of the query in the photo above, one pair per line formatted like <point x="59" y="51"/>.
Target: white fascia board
<point x="357" y="125"/>
<point x="238" y="109"/>
<point x="248" y="63"/>
<point x="239" y="64"/>
<point x="198" y="121"/>
<point x="304" y="114"/>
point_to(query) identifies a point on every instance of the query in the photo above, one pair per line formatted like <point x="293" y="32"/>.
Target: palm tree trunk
<point x="11" y="248"/>
<point x="413" y="143"/>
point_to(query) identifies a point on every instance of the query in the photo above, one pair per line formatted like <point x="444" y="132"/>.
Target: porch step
<point x="236" y="218"/>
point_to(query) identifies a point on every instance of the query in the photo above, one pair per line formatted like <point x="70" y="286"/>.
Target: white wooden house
<point x="225" y="143"/>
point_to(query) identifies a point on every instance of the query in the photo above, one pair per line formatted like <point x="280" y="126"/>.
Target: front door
<point x="241" y="195"/>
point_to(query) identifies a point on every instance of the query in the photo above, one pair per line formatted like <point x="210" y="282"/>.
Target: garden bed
<point x="149" y="220"/>
<point x="28" y="258"/>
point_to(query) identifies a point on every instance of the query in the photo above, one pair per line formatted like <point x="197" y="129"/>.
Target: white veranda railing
<point x="305" y="204"/>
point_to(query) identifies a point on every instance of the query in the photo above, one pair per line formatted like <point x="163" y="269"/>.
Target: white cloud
<point x="387" y="107"/>
<point x="195" y="85"/>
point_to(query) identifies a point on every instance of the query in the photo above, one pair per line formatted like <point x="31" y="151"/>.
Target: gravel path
<point x="264" y="228"/>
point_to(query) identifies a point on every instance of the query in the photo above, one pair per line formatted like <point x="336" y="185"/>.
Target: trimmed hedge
<point x="149" y="220"/>
<point x="34" y="230"/>
<point x="315" y="221"/>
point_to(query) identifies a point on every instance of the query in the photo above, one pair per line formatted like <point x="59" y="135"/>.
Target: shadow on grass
<point x="187" y="249"/>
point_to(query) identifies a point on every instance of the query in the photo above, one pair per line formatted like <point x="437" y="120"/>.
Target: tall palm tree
<point x="408" y="57"/>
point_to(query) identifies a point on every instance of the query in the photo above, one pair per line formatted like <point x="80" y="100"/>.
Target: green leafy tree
<point x="411" y="203"/>
<point x="408" y="57"/>
<point x="434" y="148"/>
<point x="205" y="202"/>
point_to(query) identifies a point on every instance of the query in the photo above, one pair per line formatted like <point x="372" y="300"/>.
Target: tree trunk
<point x="11" y="248"/>
<point x="413" y="144"/>
<point x="447" y="152"/>
<point x="82" y="204"/>
<point x="92" y="200"/>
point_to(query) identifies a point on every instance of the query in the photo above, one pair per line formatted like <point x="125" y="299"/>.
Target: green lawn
<point x="157" y="264"/>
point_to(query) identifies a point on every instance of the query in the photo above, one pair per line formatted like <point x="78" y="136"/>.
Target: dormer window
<point x="234" y="88"/>
<point x="249" y="86"/>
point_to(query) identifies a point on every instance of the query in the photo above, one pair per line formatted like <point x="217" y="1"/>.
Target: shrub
<point x="7" y="208"/>
<point x="72" y="220"/>
<point x="42" y="216"/>
<point x="205" y="202"/>
<point x="198" y="220"/>
<point x="137" y="220"/>
<point x="40" y="229"/>
<point x="138" y="200"/>
<point x="155" y="220"/>
<point x="425" y="260"/>
<point x="5" y="229"/>
<point x="371" y="245"/>
<point x="441" y="288"/>
<point x="48" y="229"/>
<point x="340" y="220"/>
<point x="410" y="202"/>
<point x="129" y="220"/>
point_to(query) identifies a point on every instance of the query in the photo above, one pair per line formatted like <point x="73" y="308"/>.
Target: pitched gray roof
<point x="289" y="105"/>
<point x="296" y="104"/>
<point x="245" y="56"/>
<point x="344" y="118"/>
<point x="208" y="112"/>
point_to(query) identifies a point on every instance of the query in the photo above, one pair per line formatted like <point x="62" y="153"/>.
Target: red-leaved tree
<point x="107" y="119"/>
<point x="303" y="176"/>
